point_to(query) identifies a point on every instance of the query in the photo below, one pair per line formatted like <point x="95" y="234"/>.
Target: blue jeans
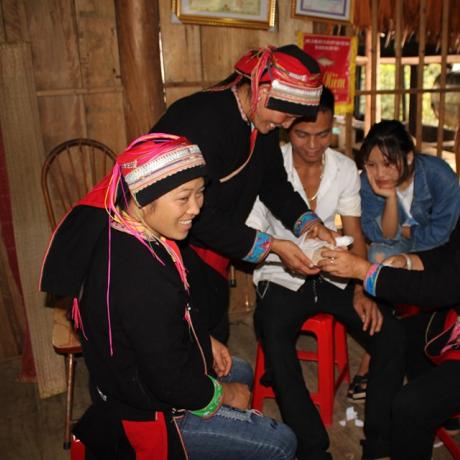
<point x="233" y="434"/>
<point x="378" y="252"/>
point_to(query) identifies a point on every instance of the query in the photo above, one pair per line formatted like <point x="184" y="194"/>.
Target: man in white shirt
<point x="329" y="183"/>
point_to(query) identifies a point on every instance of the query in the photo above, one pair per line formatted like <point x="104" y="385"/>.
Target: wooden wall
<point x="197" y="56"/>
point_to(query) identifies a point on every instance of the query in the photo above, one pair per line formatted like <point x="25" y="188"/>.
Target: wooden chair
<point x="70" y="170"/>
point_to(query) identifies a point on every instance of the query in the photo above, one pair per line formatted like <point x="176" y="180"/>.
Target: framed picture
<point x="254" y="14"/>
<point x="324" y="10"/>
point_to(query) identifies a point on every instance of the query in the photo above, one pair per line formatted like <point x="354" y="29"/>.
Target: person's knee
<point x="407" y="408"/>
<point x="285" y="442"/>
<point x="241" y="371"/>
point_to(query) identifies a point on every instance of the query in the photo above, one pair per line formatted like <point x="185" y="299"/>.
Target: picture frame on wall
<point x="253" y="14"/>
<point x="324" y="10"/>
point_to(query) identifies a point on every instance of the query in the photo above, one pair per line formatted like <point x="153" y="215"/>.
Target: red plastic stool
<point x="77" y="449"/>
<point x="331" y="350"/>
<point x="451" y="444"/>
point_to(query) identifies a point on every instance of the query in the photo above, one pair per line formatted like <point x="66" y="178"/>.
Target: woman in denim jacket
<point x="410" y="202"/>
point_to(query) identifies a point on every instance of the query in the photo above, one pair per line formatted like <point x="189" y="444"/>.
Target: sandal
<point x="357" y="389"/>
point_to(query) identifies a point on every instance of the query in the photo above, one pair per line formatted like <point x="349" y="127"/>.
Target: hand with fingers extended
<point x="293" y="257"/>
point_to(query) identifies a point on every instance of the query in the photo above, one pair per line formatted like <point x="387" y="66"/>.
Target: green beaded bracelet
<point x="214" y="404"/>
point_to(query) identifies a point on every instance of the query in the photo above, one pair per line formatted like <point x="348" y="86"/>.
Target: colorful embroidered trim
<point x="304" y="221"/>
<point x="370" y="282"/>
<point x="215" y="402"/>
<point x="162" y="166"/>
<point x="260" y="248"/>
<point x="295" y="94"/>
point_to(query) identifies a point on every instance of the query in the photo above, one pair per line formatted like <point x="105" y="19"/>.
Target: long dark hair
<point x="395" y="143"/>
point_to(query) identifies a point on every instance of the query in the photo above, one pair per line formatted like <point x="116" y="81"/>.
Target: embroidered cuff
<point x="304" y="221"/>
<point x="370" y="282"/>
<point x="260" y="248"/>
<point x="214" y="404"/>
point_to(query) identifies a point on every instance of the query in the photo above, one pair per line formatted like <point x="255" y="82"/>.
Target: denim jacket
<point x="435" y="207"/>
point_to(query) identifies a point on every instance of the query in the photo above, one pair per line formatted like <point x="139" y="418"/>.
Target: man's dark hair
<point x="326" y="104"/>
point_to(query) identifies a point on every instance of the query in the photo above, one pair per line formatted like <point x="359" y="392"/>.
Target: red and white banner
<point x="337" y="59"/>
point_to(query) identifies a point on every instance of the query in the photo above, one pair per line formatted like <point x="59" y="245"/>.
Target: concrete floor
<point x="32" y="429"/>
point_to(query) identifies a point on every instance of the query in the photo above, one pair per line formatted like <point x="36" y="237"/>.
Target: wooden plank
<point x="12" y="315"/>
<point x="13" y="21"/>
<point x="61" y="119"/>
<point x="367" y="83"/>
<point x="398" y="56"/>
<point x="221" y="47"/>
<point x="54" y="41"/>
<point x="97" y="43"/>
<point x="24" y="154"/>
<point x="375" y="53"/>
<point x="411" y="60"/>
<point x="173" y="94"/>
<point x="105" y="119"/>
<point x="442" y="80"/>
<point x="181" y="48"/>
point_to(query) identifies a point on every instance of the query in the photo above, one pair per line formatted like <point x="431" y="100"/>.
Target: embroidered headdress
<point x="295" y="78"/>
<point x="153" y="165"/>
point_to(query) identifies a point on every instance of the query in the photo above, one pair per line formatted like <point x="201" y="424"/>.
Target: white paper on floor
<point x="351" y="415"/>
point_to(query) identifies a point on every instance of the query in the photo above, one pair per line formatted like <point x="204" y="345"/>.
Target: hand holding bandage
<point x="313" y="248"/>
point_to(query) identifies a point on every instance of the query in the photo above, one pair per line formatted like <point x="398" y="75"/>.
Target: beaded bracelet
<point x="214" y="404"/>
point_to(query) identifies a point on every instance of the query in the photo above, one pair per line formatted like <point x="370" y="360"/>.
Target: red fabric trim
<point x="149" y="439"/>
<point x="219" y="263"/>
<point x="449" y="355"/>
<point x="96" y="197"/>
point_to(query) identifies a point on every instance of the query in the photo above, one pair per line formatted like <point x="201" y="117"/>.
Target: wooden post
<point x="398" y="55"/>
<point x="140" y="62"/>
<point x="375" y="51"/>
<point x="420" y="73"/>
<point x="442" y="81"/>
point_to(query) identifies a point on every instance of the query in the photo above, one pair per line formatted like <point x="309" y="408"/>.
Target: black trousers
<point x="279" y="315"/>
<point x="427" y="401"/>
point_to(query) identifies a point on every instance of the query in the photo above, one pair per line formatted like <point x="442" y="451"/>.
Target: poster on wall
<point x="337" y="59"/>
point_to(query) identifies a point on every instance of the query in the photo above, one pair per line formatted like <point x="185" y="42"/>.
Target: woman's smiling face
<point x="172" y="214"/>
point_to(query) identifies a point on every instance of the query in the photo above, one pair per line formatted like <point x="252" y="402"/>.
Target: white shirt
<point x="338" y="194"/>
<point x="405" y="198"/>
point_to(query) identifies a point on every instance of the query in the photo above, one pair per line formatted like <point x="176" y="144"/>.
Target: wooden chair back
<point x="70" y="170"/>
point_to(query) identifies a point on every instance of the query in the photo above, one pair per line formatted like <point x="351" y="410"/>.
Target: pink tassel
<point x="78" y="323"/>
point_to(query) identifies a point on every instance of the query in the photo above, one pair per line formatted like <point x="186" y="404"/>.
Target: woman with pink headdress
<point x="161" y="387"/>
<point x="236" y="125"/>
